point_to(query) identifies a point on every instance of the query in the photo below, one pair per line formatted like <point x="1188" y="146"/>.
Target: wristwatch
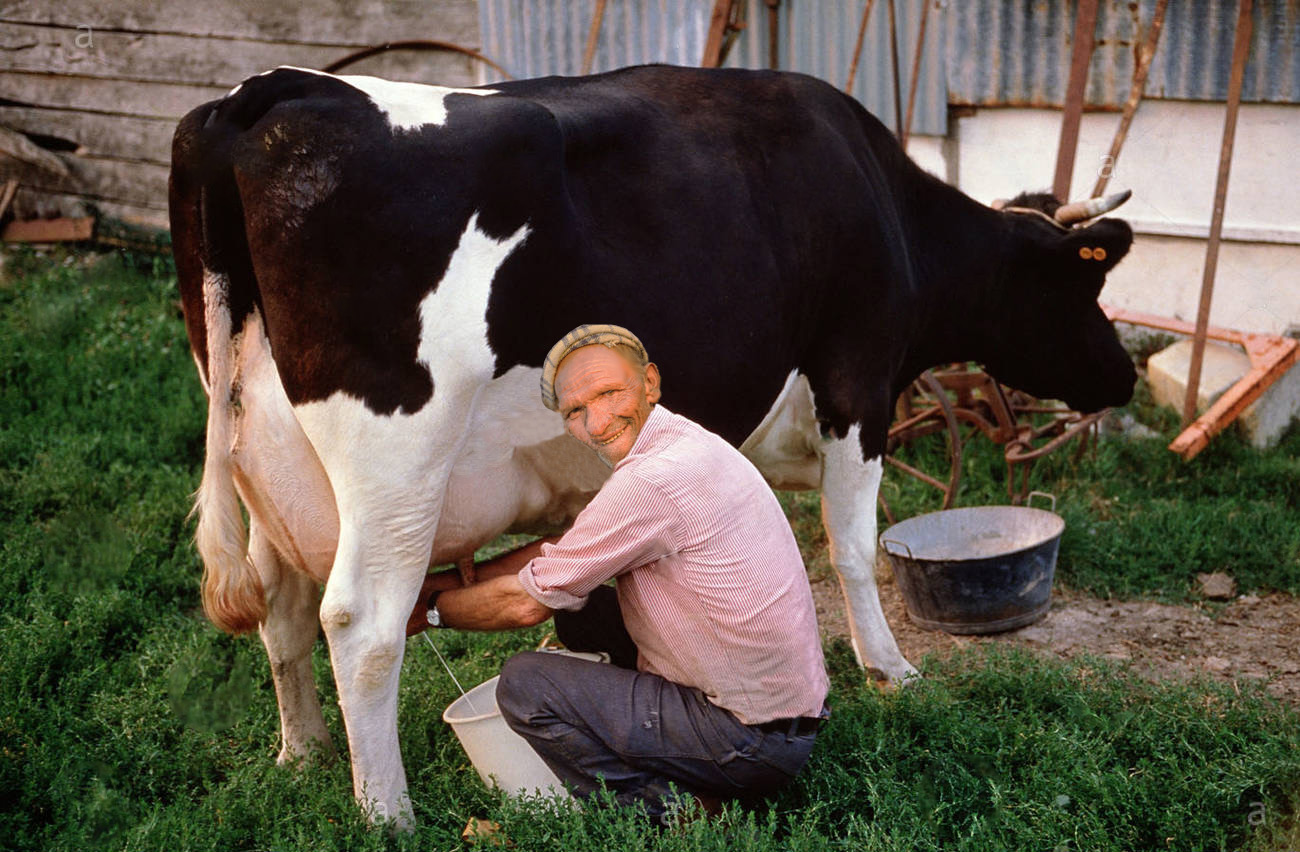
<point x="432" y="615"/>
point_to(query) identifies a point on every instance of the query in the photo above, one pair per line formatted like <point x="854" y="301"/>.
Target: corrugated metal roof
<point x="533" y="38"/>
<point x="1017" y="52"/>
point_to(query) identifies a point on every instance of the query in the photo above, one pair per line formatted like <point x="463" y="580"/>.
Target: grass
<point x="128" y="722"/>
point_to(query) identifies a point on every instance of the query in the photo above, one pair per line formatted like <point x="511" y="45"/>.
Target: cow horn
<point x="1080" y="211"/>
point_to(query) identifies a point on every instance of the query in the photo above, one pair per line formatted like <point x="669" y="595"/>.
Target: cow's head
<point x="1053" y="339"/>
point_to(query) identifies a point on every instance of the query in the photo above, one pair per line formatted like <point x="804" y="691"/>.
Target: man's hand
<point x="440" y="582"/>
<point x="499" y="596"/>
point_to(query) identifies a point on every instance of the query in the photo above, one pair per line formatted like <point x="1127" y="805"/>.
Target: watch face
<point x="435" y="619"/>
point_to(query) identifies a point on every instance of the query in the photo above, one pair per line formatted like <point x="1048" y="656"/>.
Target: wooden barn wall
<point x="100" y="84"/>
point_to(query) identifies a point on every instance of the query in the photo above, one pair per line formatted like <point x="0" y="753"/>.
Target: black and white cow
<point x="373" y="271"/>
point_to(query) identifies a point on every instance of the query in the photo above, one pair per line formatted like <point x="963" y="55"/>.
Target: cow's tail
<point x="232" y="591"/>
<point x="208" y="230"/>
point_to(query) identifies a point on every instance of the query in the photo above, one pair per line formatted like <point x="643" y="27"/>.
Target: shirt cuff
<point x="549" y="598"/>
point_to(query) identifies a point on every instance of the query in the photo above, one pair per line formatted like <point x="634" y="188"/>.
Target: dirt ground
<point x="1247" y="637"/>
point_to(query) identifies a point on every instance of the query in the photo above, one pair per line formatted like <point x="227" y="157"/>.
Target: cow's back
<point x="740" y="221"/>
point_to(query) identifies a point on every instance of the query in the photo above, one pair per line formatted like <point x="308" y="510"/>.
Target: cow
<point x="372" y="271"/>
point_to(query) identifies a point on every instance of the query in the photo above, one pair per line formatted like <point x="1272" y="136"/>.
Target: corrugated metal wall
<point x="817" y="38"/>
<point x="535" y="38"/>
<point x="532" y="38"/>
<point x="978" y="52"/>
<point x="1017" y="52"/>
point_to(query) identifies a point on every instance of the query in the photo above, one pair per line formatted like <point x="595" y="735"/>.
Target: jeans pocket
<point x="787" y="756"/>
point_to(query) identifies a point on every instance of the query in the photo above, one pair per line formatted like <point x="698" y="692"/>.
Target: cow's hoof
<point x="315" y="753"/>
<point x="888" y="683"/>
<point x="399" y="819"/>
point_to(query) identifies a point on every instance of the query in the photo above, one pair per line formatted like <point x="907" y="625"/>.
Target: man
<point x="718" y="683"/>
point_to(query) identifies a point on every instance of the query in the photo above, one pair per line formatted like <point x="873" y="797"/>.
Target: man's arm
<point x="496" y="604"/>
<point x="513" y="611"/>
<point x="511" y="563"/>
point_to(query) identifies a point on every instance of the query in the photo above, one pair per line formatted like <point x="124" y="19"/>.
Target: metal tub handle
<point x="1029" y="500"/>
<point x="886" y="542"/>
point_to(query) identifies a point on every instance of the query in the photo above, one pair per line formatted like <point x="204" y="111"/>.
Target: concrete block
<point x="1263" y="422"/>
<point x="1272" y="413"/>
<point x="1167" y="372"/>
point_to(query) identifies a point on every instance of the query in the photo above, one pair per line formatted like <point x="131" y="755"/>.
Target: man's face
<point x="604" y="400"/>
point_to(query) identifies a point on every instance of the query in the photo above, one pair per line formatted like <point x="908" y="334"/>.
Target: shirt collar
<point x="652" y="430"/>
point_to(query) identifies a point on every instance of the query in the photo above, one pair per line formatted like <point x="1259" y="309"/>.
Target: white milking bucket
<point x="502" y="758"/>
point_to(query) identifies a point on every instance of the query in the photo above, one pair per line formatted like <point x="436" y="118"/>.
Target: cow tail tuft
<point x="233" y="597"/>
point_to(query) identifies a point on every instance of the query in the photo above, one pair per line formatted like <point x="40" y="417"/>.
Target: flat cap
<point x="583" y="335"/>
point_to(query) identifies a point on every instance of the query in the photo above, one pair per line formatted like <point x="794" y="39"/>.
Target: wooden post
<point x="1085" y="26"/>
<point x="1240" y="50"/>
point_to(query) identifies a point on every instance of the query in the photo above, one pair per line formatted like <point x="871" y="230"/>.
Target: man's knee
<point x="519" y="686"/>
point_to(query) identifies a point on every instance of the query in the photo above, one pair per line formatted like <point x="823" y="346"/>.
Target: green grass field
<point x="128" y="722"/>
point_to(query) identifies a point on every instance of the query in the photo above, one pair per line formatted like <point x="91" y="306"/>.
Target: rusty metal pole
<point x="916" y="73"/>
<point x="1240" y="51"/>
<point x="1145" y="58"/>
<point x="593" y="35"/>
<point x="857" y="47"/>
<point x="717" y="32"/>
<point x="1085" y="26"/>
<point x="893" y="58"/>
<point x="773" y="33"/>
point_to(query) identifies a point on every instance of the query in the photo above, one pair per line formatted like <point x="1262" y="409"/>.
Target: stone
<point x="1217" y="586"/>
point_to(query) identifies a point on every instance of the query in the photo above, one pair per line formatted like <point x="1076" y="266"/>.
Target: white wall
<point x="1170" y="161"/>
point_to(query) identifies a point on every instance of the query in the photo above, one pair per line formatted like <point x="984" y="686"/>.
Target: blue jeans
<point x="639" y="733"/>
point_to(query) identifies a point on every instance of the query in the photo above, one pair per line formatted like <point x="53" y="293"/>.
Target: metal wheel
<point x="925" y="444"/>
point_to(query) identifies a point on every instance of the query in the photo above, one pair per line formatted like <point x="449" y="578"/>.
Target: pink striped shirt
<point x="710" y="581"/>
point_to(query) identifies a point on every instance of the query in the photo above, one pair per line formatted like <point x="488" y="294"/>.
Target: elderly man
<point x="718" y="683"/>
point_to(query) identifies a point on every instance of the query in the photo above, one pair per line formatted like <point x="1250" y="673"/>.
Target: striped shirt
<point x="710" y="581"/>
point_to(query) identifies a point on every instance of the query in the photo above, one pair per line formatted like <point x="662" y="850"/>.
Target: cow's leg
<point x="849" y="487"/>
<point x="385" y="536"/>
<point x="289" y="632"/>
<point x="389" y="474"/>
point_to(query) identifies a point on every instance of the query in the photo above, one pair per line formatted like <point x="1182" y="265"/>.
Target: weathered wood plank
<point x="143" y="184"/>
<point x="30" y="204"/>
<point x="117" y="97"/>
<point x="159" y="58"/>
<point x="49" y="230"/>
<point x="15" y="147"/>
<point x="116" y="136"/>
<point x="153" y="58"/>
<point x="338" y="22"/>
